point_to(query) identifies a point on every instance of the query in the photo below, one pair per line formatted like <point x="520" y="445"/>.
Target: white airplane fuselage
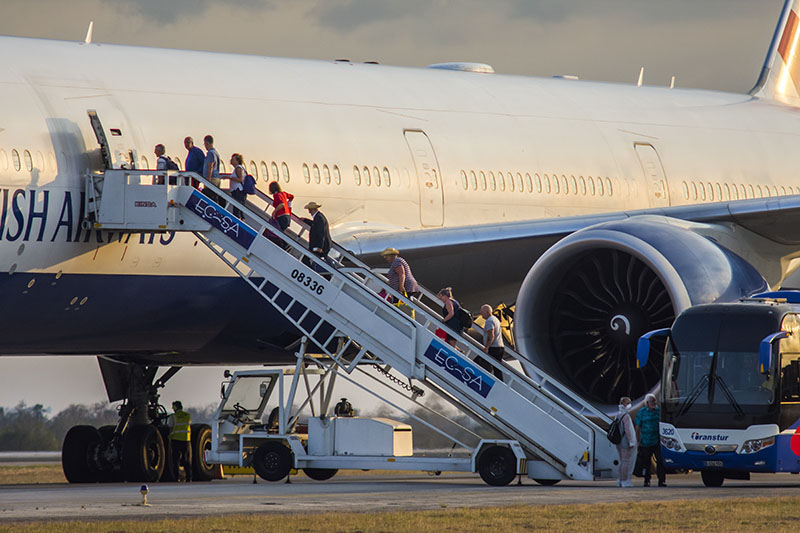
<point x="458" y="148"/>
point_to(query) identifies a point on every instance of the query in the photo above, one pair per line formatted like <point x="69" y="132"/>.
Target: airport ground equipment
<point x="730" y="395"/>
<point x="336" y="305"/>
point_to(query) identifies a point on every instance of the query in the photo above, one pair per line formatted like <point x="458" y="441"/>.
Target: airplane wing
<point x="506" y="251"/>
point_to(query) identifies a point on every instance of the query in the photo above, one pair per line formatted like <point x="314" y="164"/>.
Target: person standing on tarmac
<point x="627" y="446"/>
<point x="647" y="420"/>
<point x="180" y="437"/>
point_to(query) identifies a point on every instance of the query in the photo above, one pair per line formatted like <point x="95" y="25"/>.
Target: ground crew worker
<point x="180" y="438"/>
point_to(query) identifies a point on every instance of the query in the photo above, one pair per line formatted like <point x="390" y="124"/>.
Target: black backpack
<point x="171" y="165"/>
<point x="464" y="318"/>
<point x="614" y="432"/>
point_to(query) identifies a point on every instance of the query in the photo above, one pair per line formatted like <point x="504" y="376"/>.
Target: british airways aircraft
<point x="602" y="210"/>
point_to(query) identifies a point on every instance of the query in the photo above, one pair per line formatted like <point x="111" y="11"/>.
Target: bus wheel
<point x="497" y="466"/>
<point x="547" y="482"/>
<point x="712" y="478"/>
<point x="320" y="474"/>
<point x="273" y="461"/>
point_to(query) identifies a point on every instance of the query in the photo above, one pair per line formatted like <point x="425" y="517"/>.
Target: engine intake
<point x="586" y="301"/>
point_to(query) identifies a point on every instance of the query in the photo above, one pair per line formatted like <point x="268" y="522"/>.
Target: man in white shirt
<point x="492" y="340"/>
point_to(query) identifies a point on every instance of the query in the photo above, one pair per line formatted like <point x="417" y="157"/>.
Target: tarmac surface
<point x="355" y="492"/>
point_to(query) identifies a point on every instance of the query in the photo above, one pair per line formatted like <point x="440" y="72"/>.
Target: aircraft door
<point x="114" y="149"/>
<point x="431" y="194"/>
<point x="654" y="175"/>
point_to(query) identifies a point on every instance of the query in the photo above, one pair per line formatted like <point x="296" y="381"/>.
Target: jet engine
<point x="586" y="301"/>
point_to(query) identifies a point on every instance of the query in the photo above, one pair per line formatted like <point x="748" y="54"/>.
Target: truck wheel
<point x="547" y="482"/>
<point x="712" y="478"/>
<point x="201" y="441"/>
<point x="497" y="466"/>
<point x="79" y="442"/>
<point x="320" y="474"/>
<point x="143" y="454"/>
<point x="272" y="461"/>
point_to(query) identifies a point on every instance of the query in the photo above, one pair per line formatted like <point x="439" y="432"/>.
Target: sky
<point x="708" y="44"/>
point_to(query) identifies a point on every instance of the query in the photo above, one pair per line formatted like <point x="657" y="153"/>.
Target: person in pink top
<point x="282" y="205"/>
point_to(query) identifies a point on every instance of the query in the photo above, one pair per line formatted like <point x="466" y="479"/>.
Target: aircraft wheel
<point x="143" y="454"/>
<point x="113" y="473"/>
<point x="547" y="482"/>
<point x="712" y="478"/>
<point x="497" y="466"/>
<point x="320" y="474"/>
<point x="201" y="441"/>
<point x="272" y="461"/>
<point x="170" y="474"/>
<point x="79" y="443"/>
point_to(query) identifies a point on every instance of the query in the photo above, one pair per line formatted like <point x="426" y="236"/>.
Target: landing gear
<point x="497" y="466"/>
<point x="137" y="449"/>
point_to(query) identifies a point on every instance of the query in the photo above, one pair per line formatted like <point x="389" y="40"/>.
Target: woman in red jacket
<point x="282" y="205"/>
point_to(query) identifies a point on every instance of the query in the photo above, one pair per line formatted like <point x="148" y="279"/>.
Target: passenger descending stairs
<point x="340" y="309"/>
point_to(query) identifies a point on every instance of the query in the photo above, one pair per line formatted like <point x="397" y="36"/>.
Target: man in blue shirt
<point x="647" y="434"/>
<point x="194" y="159"/>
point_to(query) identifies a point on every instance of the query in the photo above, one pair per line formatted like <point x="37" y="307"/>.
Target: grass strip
<point x="741" y="515"/>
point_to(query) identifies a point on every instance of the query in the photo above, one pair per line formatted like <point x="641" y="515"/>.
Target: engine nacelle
<point x="586" y="301"/>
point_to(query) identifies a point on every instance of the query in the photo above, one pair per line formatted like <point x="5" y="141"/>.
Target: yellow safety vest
<point x="181" y="429"/>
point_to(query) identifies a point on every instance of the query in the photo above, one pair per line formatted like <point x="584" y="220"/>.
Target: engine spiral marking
<point x="621" y="318"/>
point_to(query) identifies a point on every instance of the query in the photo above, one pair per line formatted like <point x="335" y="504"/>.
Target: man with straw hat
<point x="319" y="236"/>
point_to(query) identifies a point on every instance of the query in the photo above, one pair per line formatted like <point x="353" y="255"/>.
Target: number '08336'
<point x="306" y="281"/>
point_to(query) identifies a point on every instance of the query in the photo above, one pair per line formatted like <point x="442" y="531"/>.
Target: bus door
<point x="789" y="372"/>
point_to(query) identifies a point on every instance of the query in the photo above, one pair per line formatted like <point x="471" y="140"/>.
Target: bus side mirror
<point x="765" y="350"/>
<point x="643" y="346"/>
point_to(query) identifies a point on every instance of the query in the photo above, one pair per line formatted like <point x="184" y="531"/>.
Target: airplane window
<point x="751" y="191"/>
<point x="387" y="177"/>
<point x="583" y="185"/>
<point x="376" y="176"/>
<point x="727" y="191"/>
<point x="176" y="160"/>
<point x="326" y="174"/>
<point x="501" y="181"/>
<point x="718" y="191"/>
<point x="275" y="175"/>
<point x="435" y="179"/>
<point x="51" y="160"/>
<point x="783" y="191"/>
<point x="144" y="163"/>
<point x="510" y="181"/>
<point x="315" y="170"/>
<point x="556" y="186"/>
<point x="222" y="168"/>
<point x="357" y="175"/>
<point x="528" y="182"/>
<point x="39" y="161"/>
<point x="600" y="190"/>
<point x="15" y="159"/>
<point x="337" y="176"/>
<point x="574" y="185"/>
<point x="285" y="169"/>
<point x="710" y="191"/>
<point x="254" y="169"/>
<point x="685" y="191"/>
<point x="774" y="189"/>
<point x="474" y="180"/>
<point x="306" y="173"/>
<point x="702" y="188"/>
<point x="492" y="181"/>
<point x="3" y="160"/>
<point x="564" y="184"/>
<point x="766" y="191"/>
<point x="734" y="192"/>
<point x="591" y="186"/>
<point x="694" y="191"/>
<point x="483" y="180"/>
<point x="609" y="188"/>
<point x="367" y="180"/>
<point x="28" y="160"/>
<point x="538" y="183"/>
<point x="547" y="188"/>
<point x="742" y="191"/>
<point x="791" y="190"/>
<point x="464" y="180"/>
<point x="264" y="171"/>
<point x="520" y="186"/>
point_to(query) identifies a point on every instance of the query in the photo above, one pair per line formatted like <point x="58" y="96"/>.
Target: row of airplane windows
<point x="698" y="190"/>
<point x="480" y="180"/>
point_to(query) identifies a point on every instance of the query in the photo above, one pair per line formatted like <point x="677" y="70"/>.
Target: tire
<point x="201" y="441"/>
<point x="712" y="478"/>
<point x="497" y="466"/>
<point x="547" y="482"/>
<point x="114" y="472"/>
<point x="170" y="474"/>
<point x="320" y="474"/>
<point x="143" y="454"/>
<point x="79" y="443"/>
<point x="273" y="461"/>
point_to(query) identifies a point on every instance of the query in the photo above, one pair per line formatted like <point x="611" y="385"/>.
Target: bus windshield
<point x="723" y="379"/>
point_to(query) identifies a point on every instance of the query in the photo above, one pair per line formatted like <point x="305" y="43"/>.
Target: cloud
<point x="166" y="12"/>
<point x="347" y="15"/>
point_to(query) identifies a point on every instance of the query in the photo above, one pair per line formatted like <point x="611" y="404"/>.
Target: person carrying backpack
<point x="626" y="447"/>
<point x="454" y="317"/>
